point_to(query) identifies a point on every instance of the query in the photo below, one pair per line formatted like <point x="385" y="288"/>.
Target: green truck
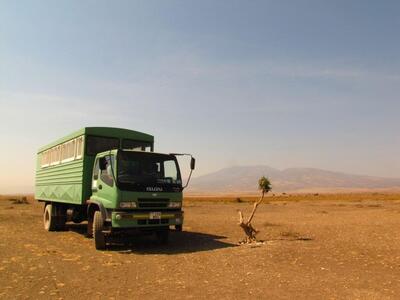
<point x="113" y="179"/>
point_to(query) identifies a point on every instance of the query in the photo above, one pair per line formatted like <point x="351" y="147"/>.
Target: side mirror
<point x="192" y="163"/>
<point x="103" y="163"/>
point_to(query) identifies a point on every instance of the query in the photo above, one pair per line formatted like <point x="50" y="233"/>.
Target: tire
<point x="49" y="218"/>
<point x="163" y="236"/>
<point x="61" y="218"/>
<point x="54" y="217"/>
<point x="89" y="233"/>
<point x="178" y="227"/>
<point x="98" y="225"/>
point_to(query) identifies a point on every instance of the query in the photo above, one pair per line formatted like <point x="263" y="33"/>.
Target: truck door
<point x="103" y="184"/>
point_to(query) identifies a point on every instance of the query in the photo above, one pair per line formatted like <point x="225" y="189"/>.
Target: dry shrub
<point x="21" y="200"/>
<point x="290" y="234"/>
<point x="293" y="235"/>
<point x="269" y="224"/>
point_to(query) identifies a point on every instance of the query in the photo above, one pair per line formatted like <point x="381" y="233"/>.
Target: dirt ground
<point x="314" y="249"/>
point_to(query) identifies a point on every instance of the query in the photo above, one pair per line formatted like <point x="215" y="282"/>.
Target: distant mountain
<point x="244" y="179"/>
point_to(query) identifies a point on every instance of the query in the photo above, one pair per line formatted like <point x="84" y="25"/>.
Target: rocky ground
<point x="313" y="250"/>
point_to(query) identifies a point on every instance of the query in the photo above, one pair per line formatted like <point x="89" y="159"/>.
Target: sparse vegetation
<point x="294" y="236"/>
<point x="269" y="224"/>
<point x="344" y="197"/>
<point x="20" y="200"/>
<point x="239" y="200"/>
<point x="290" y="234"/>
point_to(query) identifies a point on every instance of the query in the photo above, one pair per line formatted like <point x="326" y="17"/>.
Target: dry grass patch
<point x="269" y="224"/>
<point x="294" y="236"/>
<point x="21" y="200"/>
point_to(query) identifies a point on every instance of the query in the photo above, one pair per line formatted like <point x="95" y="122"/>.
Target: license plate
<point x="155" y="215"/>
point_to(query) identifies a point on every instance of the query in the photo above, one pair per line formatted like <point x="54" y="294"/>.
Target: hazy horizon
<point x="30" y="189"/>
<point x="283" y="84"/>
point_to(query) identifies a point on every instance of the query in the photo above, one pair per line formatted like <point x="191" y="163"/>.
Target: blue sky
<point x="282" y="83"/>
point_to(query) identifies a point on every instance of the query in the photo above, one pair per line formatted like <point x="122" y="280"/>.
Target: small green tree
<point x="264" y="186"/>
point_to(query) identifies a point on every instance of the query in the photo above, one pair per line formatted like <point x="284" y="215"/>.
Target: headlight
<point x="127" y="204"/>
<point x="174" y="204"/>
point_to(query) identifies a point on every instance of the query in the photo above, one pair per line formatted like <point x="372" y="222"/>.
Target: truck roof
<point x="114" y="151"/>
<point x="102" y="131"/>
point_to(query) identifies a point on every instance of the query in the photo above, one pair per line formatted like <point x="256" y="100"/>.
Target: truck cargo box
<point x="64" y="167"/>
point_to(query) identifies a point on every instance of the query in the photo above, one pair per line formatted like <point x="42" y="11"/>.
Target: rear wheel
<point x="98" y="226"/>
<point x="54" y="217"/>
<point x="49" y="219"/>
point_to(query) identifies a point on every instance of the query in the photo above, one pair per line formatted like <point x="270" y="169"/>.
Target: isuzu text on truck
<point x="112" y="178"/>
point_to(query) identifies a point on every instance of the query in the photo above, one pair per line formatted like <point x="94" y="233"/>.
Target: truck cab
<point x="134" y="191"/>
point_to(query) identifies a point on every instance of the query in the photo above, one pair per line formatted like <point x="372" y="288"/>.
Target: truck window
<point x="79" y="147"/>
<point x="96" y="170"/>
<point x="170" y="170"/>
<point x="96" y="144"/>
<point x="107" y="175"/>
<point x="136" y="145"/>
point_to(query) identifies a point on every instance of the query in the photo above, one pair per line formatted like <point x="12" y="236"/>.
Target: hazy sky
<point x="282" y="83"/>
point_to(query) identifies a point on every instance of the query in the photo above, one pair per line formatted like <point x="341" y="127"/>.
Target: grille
<point x="153" y="222"/>
<point x="153" y="203"/>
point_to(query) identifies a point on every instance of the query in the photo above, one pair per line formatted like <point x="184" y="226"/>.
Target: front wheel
<point x="98" y="226"/>
<point x="178" y="227"/>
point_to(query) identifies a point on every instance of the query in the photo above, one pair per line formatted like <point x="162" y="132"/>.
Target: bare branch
<point x="241" y="219"/>
<point x="255" y="208"/>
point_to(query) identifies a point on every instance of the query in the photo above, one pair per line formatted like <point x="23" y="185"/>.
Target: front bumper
<point x="143" y="219"/>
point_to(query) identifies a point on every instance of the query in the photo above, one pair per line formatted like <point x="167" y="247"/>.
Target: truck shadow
<point x="179" y="242"/>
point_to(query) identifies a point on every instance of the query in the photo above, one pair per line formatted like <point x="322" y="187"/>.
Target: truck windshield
<point x="136" y="145"/>
<point x="141" y="171"/>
